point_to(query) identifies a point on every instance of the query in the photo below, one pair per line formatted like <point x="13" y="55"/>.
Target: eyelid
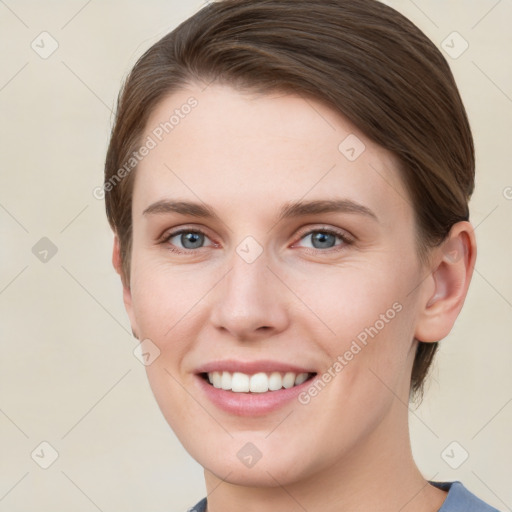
<point x="172" y="232"/>
<point x="345" y="236"/>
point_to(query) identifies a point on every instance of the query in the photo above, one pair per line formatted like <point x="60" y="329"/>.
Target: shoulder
<point x="459" y="499"/>
<point x="200" y="507"/>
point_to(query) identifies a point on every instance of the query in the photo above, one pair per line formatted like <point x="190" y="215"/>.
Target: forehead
<point x="239" y="149"/>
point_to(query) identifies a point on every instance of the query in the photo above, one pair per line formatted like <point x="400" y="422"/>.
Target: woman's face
<point x="273" y="242"/>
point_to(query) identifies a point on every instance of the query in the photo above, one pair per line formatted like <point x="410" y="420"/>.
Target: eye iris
<point x="323" y="240"/>
<point x="192" y="240"/>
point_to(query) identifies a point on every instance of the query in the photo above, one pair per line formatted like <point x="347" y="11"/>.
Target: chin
<point x="251" y="459"/>
<point x="275" y="472"/>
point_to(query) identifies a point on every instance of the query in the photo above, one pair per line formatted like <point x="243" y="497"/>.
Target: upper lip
<point x="251" y="367"/>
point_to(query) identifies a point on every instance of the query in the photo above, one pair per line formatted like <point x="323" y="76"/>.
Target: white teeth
<point x="288" y="380"/>
<point x="225" y="381"/>
<point x="215" y="379"/>
<point x="257" y="383"/>
<point x="240" y="382"/>
<point x="301" y="377"/>
<point x="275" y="381"/>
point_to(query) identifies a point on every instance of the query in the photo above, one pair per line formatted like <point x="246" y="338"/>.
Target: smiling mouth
<point x="261" y="382"/>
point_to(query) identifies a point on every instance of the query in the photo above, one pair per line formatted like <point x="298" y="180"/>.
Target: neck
<point x="378" y="474"/>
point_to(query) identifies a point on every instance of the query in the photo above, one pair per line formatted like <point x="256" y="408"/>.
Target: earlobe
<point x="454" y="261"/>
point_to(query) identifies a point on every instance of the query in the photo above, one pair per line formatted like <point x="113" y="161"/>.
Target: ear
<point x="127" y="294"/>
<point x="448" y="283"/>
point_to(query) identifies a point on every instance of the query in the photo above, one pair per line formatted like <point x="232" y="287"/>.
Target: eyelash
<point x="345" y="239"/>
<point x="342" y="235"/>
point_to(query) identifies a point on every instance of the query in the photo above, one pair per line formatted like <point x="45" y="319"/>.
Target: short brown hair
<point x="361" y="57"/>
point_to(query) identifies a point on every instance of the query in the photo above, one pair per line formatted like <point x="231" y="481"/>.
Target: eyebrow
<point x="288" y="210"/>
<point x="183" y="207"/>
<point x="302" y="208"/>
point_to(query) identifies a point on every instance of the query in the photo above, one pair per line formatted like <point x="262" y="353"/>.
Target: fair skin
<point x="299" y="303"/>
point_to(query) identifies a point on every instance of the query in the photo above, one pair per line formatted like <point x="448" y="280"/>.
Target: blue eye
<point x="324" y="239"/>
<point x="188" y="239"/>
<point x="321" y="240"/>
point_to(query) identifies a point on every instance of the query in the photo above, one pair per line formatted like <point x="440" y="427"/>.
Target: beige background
<point x="67" y="372"/>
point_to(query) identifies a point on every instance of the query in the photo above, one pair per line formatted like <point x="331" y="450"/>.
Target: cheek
<point x="167" y="306"/>
<point x="166" y="299"/>
<point x="368" y="319"/>
<point x="354" y="302"/>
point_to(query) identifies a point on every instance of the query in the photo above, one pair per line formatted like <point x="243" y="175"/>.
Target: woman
<point x="288" y="183"/>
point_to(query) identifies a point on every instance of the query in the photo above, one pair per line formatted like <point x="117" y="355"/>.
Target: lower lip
<point x="250" y="404"/>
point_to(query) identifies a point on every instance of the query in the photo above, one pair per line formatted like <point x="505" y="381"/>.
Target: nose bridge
<point x="249" y="297"/>
<point x="247" y="283"/>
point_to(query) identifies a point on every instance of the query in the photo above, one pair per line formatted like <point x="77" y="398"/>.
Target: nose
<point x="250" y="303"/>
